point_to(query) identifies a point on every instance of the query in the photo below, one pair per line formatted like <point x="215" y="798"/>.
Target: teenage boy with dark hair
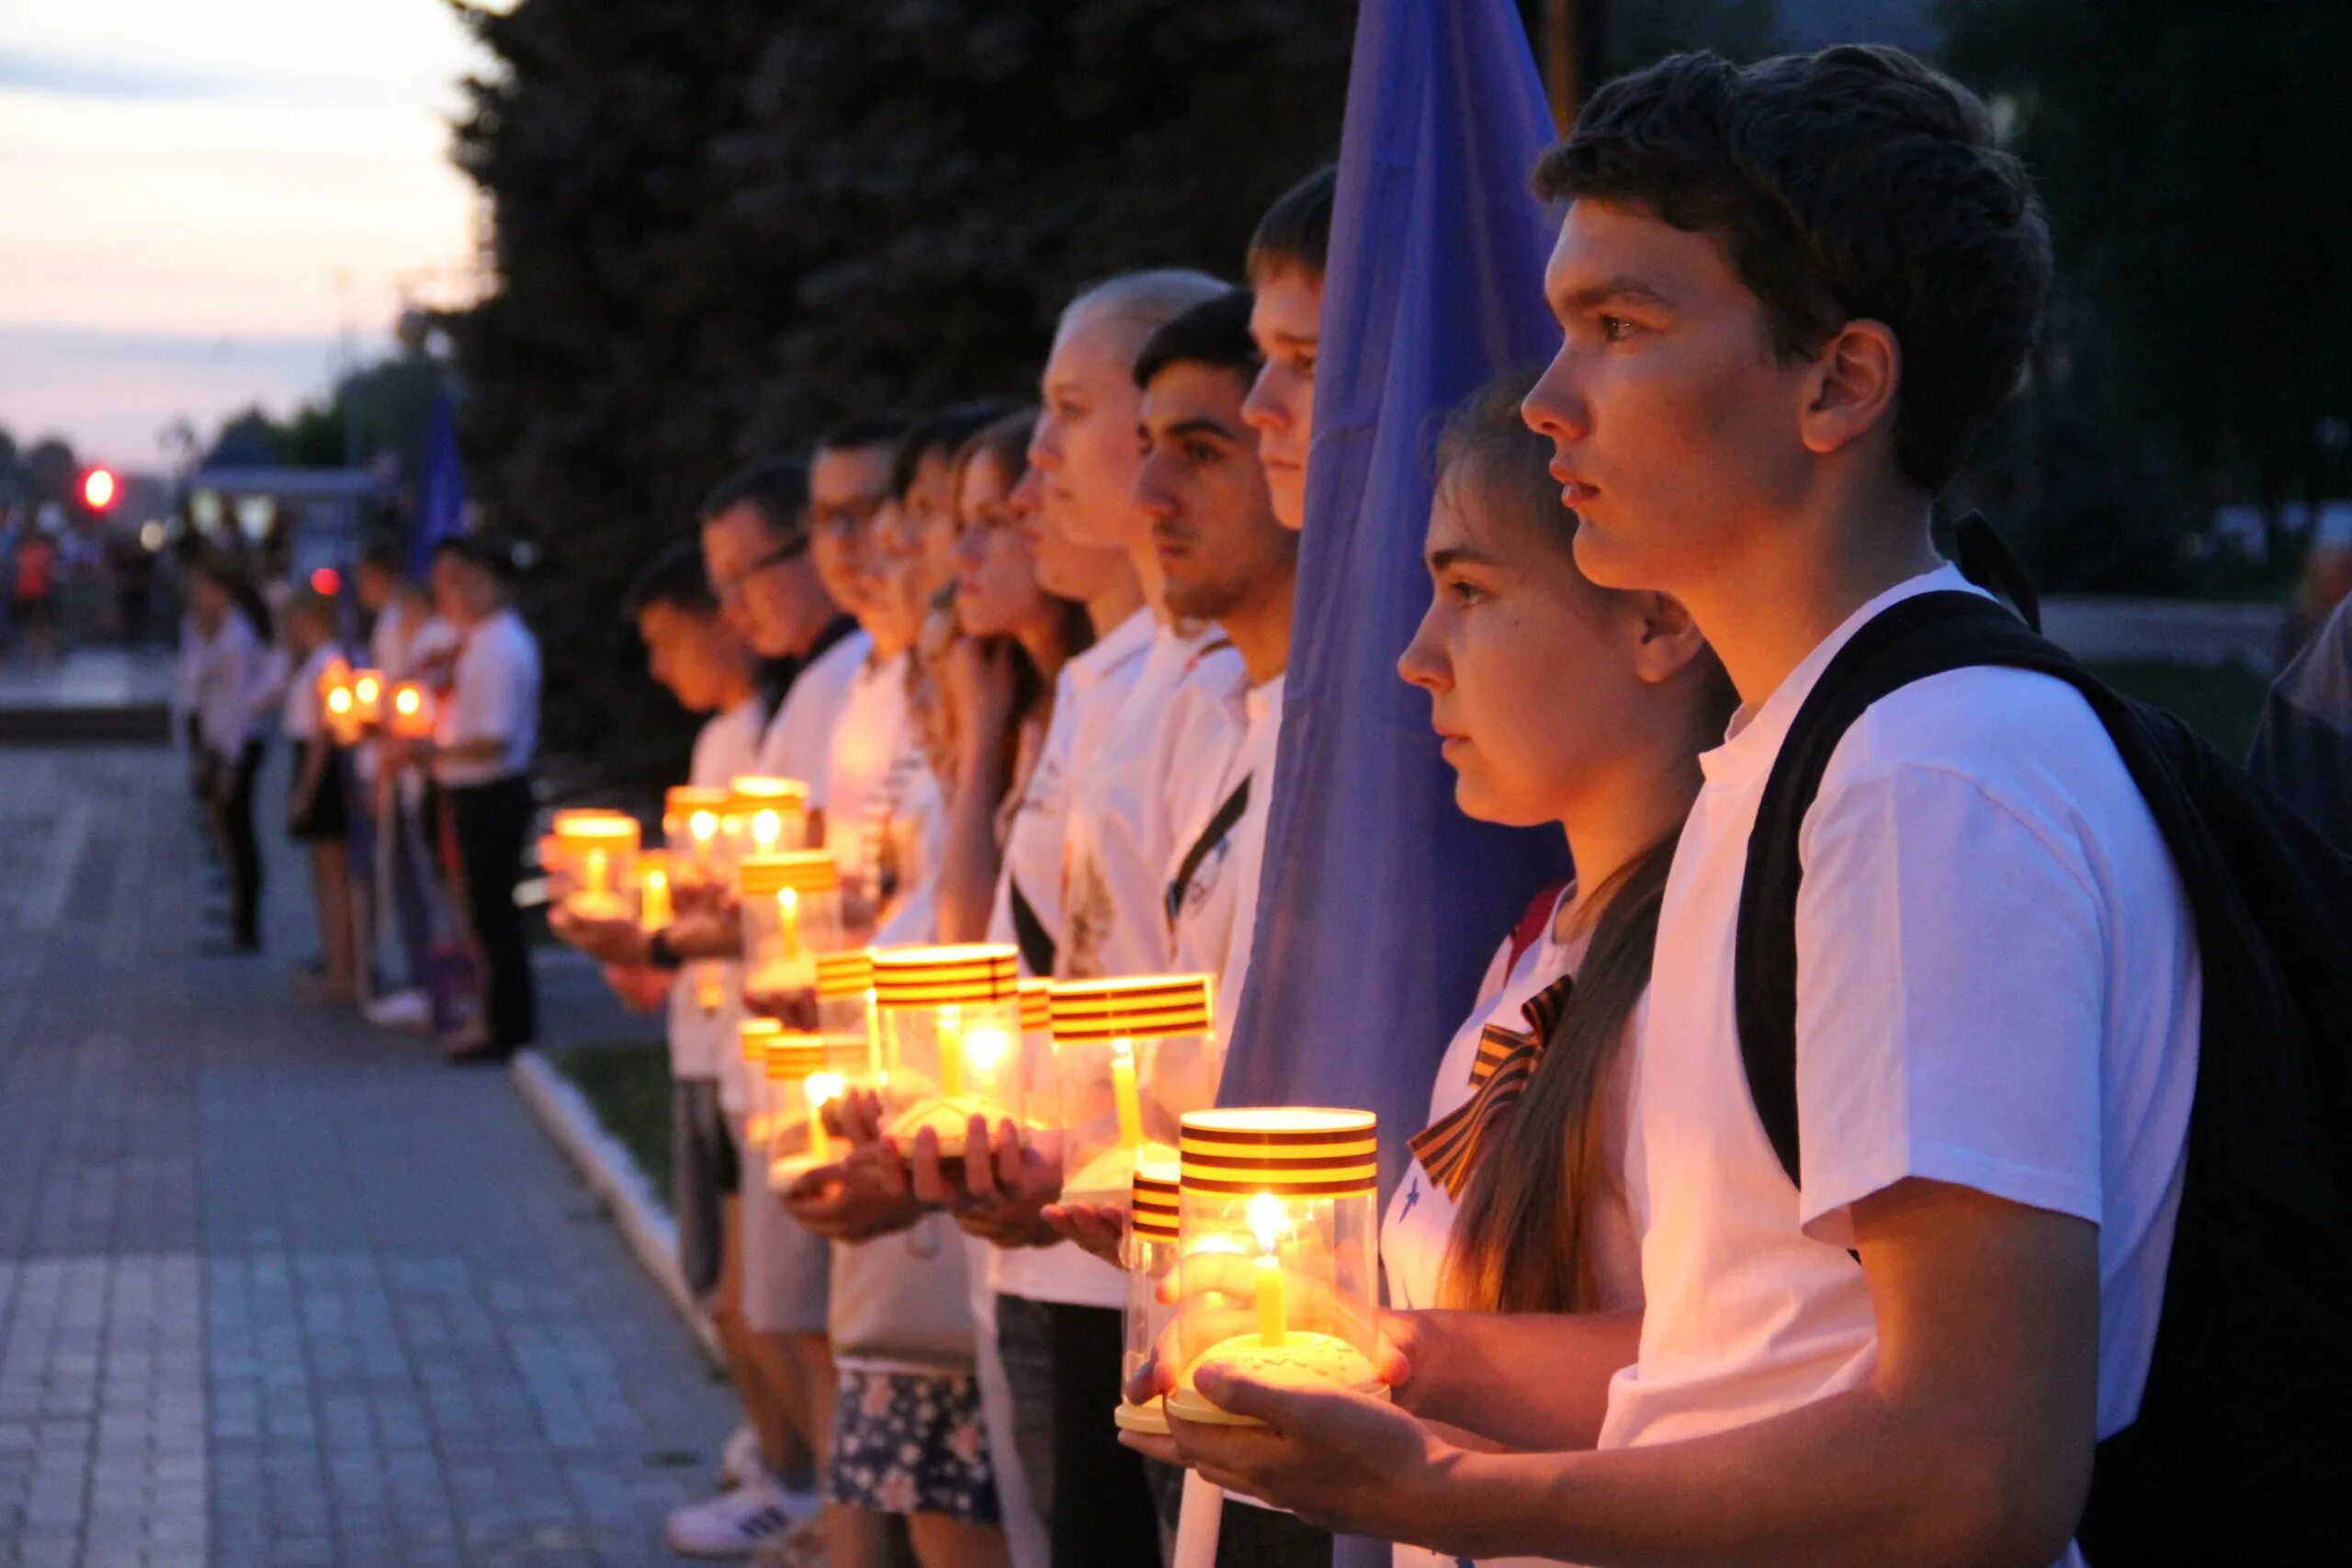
<point x="1226" y="557"/>
<point x="1792" y="296"/>
<point x="1285" y="270"/>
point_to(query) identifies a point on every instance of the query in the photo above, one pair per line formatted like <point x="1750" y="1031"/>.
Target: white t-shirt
<point x="1086" y="698"/>
<point x="230" y="681"/>
<point x="391" y="642"/>
<point x="301" y="716"/>
<point x="1216" y="914"/>
<point x="703" y="1045"/>
<point x="495" y="695"/>
<point x="1999" y="987"/>
<point x="799" y="742"/>
<point x="1168" y="743"/>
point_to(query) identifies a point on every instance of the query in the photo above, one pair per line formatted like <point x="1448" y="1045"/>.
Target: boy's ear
<point x="1668" y="639"/>
<point x="1853" y="387"/>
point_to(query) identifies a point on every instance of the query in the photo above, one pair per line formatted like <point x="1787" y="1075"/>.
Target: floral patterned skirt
<point x="911" y="1443"/>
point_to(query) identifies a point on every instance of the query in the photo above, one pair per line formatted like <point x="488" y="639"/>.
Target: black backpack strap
<point x="1926" y="635"/>
<point x="1211" y="837"/>
<point x="1985" y="561"/>
<point x="1029" y="932"/>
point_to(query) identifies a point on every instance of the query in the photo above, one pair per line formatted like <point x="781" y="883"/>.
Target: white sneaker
<point x="741" y="1460"/>
<point x="736" y="1523"/>
<point x="401" y="1010"/>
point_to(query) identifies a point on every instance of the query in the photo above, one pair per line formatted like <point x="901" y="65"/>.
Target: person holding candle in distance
<point x="317" y="812"/>
<point x="482" y="760"/>
<point x="1791" y="297"/>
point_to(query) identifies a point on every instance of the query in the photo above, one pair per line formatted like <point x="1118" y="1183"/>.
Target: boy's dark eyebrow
<point x="1450" y="555"/>
<point x="1199" y="425"/>
<point x="1612" y="291"/>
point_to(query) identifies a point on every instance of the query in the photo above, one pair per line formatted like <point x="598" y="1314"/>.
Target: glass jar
<point x="690" y="831"/>
<point x="367" y="698"/>
<point x="951" y="1032"/>
<point x="805" y="1071"/>
<point x="790" y="906"/>
<point x="1039" y="1094"/>
<point x="1149" y="1255"/>
<point x="1131" y="1057"/>
<point x="1278" y="1232"/>
<point x="845" y="1009"/>
<point x="763" y="817"/>
<point x="755" y="1037"/>
<point x="596" y="854"/>
<point x="654" y="908"/>
<point x="411" y="711"/>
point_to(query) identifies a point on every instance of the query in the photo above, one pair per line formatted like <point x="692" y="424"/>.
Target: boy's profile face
<point x="1213" y="522"/>
<point x="689" y="654"/>
<point x="1286" y="323"/>
<point x="1675" y="427"/>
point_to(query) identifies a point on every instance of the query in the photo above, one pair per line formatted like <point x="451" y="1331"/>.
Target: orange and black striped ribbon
<point x="1448" y="1147"/>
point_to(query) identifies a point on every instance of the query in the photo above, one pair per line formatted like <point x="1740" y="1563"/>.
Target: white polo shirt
<point x="800" y="742"/>
<point x="1215" y="909"/>
<point x="703" y="1045"/>
<point x="495" y="694"/>
<point x="1998" y="987"/>
<point x="1166" y="742"/>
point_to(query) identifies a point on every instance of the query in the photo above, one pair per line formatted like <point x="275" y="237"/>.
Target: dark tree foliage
<point x="721" y="226"/>
<point x="2192" y="154"/>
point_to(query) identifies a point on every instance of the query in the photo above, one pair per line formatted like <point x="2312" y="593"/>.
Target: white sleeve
<point x="1951" y="1000"/>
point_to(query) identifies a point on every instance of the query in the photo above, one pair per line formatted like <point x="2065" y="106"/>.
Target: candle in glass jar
<point x="1123" y="1089"/>
<point x="1265" y="1223"/>
<point x="653" y="898"/>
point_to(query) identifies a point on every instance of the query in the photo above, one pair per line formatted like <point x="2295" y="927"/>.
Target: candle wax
<point x="1123" y="1089"/>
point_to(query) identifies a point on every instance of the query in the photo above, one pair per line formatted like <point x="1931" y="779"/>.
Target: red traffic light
<point x="98" y="489"/>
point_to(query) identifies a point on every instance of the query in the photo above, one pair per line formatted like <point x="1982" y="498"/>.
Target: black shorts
<point x="330" y="813"/>
<point x="705" y="1171"/>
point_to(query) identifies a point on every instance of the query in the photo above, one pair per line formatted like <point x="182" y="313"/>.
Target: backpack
<point x="2234" y="1455"/>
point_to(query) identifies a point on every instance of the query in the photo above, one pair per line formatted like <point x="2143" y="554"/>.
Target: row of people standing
<point x="440" y="822"/>
<point x="1047" y="720"/>
<point x="1646" y="1302"/>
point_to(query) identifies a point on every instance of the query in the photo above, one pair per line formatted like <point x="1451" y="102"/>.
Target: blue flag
<point x="441" y="490"/>
<point x="1381" y="903"/>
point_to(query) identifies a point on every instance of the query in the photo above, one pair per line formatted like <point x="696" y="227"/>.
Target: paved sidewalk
<point x="276" y="1289"/>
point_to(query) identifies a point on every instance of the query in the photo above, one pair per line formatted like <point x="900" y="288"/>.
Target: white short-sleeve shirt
<point x="1998" y="987"/>
<point x="495" y="695"/>
<point x="1215" y="908"/>
<point x="1123" y="806"/>
<point x="1086" y="696"/>
<point x="799" y="742"/>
